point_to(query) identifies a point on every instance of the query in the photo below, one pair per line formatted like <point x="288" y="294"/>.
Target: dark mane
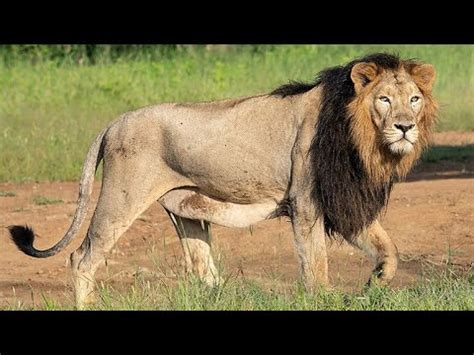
<point x="292" y="88"/>
<point x="342" y="191"/>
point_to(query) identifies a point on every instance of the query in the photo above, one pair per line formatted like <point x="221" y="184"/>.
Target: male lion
<point x="325" y="154"/>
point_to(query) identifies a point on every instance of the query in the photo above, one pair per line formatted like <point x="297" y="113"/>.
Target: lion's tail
<point x="23" y="236"/>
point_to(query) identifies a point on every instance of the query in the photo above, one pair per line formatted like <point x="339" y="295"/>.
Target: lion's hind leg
<point x="195" y="237"/>
<point x="380" y="248"/>
<point x="116" y="210"/>
<point x="127" y="191"/>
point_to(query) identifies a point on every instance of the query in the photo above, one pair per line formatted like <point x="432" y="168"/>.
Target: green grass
<point x="43" y="200"/>
<point x="436" y="290"/>
<point x="7" y="194"/>
<point x="51" y="110"/>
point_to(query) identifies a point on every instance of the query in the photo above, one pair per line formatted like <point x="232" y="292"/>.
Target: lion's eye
<point x="414" y="99"/>
<point x="384" y="99"/>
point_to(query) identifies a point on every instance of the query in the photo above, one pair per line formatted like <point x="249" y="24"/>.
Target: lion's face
<point x="396" y="106"/>
<point x="395" y="102"/>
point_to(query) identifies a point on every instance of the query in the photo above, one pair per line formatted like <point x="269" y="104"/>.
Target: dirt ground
<point x="430" y="217"/>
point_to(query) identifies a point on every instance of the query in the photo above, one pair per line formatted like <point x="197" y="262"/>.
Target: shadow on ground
<point x="445" y="162"/>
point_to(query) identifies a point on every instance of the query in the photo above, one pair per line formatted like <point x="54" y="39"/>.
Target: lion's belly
<point x="189" y="203"/>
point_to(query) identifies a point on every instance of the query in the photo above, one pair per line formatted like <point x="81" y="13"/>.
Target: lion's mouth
<point x="402" y="146"/>
<point x="404" y="138"/>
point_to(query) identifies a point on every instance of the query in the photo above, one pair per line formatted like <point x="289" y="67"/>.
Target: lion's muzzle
<point x="401" y="137"/>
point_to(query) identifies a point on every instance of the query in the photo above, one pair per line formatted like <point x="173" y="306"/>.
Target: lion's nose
<point x="404" y="127"/>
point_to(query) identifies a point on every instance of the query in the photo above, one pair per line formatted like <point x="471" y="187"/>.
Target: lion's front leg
<point x="310" y="245"/>
<point x="380" y="248"/>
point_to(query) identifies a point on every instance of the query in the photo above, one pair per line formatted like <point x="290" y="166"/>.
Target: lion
<point x="325" y="154"/>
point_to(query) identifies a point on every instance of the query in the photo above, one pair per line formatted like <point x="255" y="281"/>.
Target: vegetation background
<point x="56" y="98"/>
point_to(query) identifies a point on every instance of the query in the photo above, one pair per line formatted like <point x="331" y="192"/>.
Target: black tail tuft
<point x="23" y="237"/>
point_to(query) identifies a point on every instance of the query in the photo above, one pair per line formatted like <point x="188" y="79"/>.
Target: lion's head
<point x="392" y="112"/>
<point x="375" y="118"/>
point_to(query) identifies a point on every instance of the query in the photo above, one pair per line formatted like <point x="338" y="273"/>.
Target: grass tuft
<point x="436" y="290"/>
<point x="43" y="200"/>
<point x="440" y="288"/>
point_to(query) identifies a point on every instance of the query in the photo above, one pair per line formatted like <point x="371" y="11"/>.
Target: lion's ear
<point x="362" y="74"/>
<point x="424" y="76"/>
